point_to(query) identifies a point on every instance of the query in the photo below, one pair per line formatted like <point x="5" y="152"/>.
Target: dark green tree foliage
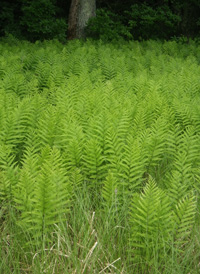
<point x="137" y="19"/>
<point x="107" y="25"/>
<point x="10" y="12"/>
<point x="189" y="12"/>
<point x="147" y="19"/>
<point x="151" y="22"/>
<point x="39" y="20"/>
<point x="34" y="20"/>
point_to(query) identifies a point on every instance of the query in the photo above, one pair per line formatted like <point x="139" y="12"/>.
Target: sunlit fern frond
<point x="184" y="220"/>
<point x="155" y="144"/>
<point x="93" y="160"/>
<point x="48" y="127"/>
<point x="50" y="199"/>
<point x="133" y="166"/>
<point x="113" y="152"/>
<point x="151" y="223"/>
<point x="72" y="145"/>
<point x="110" y="192"/>
<point x="16" y="127"/>
<point x="8" y="173"/>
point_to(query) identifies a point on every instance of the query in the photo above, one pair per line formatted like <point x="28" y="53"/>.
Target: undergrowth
<point x="99" y="157"/>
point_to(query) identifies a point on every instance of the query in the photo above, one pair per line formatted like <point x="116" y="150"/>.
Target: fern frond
<point x="123" y="126"/>
<point x="9" y="173"/>
<point x="76" y="179"/>
<point x="184" y="219"/>
<point x="15" y="83"/>
<point x="181" y="176"/>
<point x="50" y="199"/>
<point x="177" y="186"/>
<point x="110" y="191"/>
<point x="16" y="127"/>
<point x="108" y="67"/>
<point x="140" y="120"/>
<point x="133" y="165"/>
<point x="49" y="128"/>
<point x="24" y="192"/>
<point x="151" y="223"/>
<point x="98" y="128"/>
<point x="43" y="71"/>
<point x="72" y="145"/>
<point x="155" y="144"/>
<point x="189" y="145"/>
<point x="93" y="160"/>
<point x="113" y="152"/>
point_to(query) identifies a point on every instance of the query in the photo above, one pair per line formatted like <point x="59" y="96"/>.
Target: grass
<point x="89" y="242"/>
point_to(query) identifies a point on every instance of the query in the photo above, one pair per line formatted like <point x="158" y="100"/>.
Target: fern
<point x="155" y="144"/>
<point x="156" y="227"/>
<point x="15" y="83"/>
<point x="48" y="127"/>
<point x="9" y="174"/>
<point x="113" y="152"/>
<point x="184" y="220"/>
<point x="108" y="67"/>
<point x="16" y="127"/>
<point x="110" y="191"/>
<point x="24" y="192"/>
<point x="93" y="161"/>
<point x="76" y="180"/>
<point x="97" y="122"/>
<point x="181" y="177"/>
<point x="133" y="165"/>
<point x="50" y="198"/>
<point x="72" y="145"/>
<point x="151" y="223"/>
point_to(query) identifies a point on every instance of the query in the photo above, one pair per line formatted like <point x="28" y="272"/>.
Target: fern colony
<point x="99" y="157"/>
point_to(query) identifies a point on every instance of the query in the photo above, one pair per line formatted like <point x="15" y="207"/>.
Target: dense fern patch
<point x="99" y="157"/>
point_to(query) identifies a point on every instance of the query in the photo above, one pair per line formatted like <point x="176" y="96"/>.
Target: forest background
<point x="129" y="19"/>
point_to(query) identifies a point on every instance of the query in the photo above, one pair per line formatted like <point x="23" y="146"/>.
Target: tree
<point x="80" y="12"/>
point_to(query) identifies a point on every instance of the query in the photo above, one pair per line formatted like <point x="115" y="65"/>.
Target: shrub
<point x="148" y="22"/>
<point x="9" y="14"/>
<point x="39" y="21"/>
<point x="107" y="26"/>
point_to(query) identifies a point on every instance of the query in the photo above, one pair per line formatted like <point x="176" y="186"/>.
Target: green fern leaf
<point x="151" y="223"/>
<point x="110" y="191"/>
<point x="184" y="219"/>
<point x="93" y="160"/>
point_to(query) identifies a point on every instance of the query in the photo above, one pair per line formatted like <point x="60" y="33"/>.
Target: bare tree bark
<point x="73" y="19"/>
<point x="80" y="12"/>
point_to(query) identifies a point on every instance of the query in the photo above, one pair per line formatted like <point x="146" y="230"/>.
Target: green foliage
<point x="109" y="191"/>
<point x="107" y="26"/>
<point x="130" y="19"/>
<point x="43" y="193"/>
<point x="146" y="21"/>
<point x="33" y="20"/>
<point x="9" y="14"/>
<point x="39" y="21"/>
<point x="184" y="219"/>
<point x="152" y="222"/>
<point x="156" y="227"/>
<point x="99" y="156"/>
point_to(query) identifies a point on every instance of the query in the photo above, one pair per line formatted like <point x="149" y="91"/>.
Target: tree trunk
<point x="80" y="12"/>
